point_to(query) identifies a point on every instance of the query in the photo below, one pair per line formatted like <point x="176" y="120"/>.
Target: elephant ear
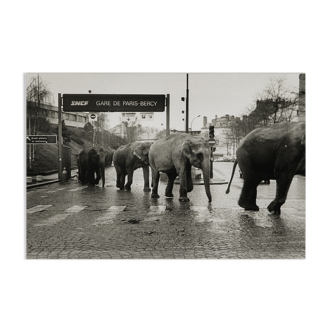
<point x="145" y="147"/>
<point x="186" y="149"/>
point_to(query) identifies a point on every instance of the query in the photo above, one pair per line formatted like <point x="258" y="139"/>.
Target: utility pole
<point x="168" y="103"/>
<point x="59" y="136"/>
<point x="187" y="106"/>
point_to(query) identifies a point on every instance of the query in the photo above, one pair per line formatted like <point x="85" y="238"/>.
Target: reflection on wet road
<point x="74" y="221"/>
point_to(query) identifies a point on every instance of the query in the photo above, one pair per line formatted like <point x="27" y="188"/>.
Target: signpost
<point x="92" y="103"/>
<point x="93" y="117"/>
<point x="41" y="139"/>
<point x="212" y="143"/>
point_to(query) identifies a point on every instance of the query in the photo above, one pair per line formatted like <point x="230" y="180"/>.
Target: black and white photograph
<point x="219" y="173"/>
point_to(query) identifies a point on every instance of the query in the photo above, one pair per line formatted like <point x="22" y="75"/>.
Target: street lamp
<point x="193" y="121"/>
<point x="187" y="104"/>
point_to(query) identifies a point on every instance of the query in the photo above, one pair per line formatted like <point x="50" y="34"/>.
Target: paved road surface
<point x="74" y="221"/>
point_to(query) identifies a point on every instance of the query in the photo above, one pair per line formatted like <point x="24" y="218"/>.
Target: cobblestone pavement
<point x="74" y="221"/>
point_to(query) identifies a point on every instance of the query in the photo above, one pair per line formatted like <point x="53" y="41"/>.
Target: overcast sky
<point x="210" y="94"/>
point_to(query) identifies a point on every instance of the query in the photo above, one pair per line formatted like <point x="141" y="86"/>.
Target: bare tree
<point x="132" y="130"/>
<point x="277" y="103"/>
<point x="149" y="131"/>
<point x="36" y="93"/>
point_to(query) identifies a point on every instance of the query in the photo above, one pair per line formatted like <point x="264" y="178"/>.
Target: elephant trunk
<point x="206" y="178"/>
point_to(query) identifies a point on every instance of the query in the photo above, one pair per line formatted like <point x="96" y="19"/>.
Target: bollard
<point x="39" y="178"/>
<point x="64" y="175"/>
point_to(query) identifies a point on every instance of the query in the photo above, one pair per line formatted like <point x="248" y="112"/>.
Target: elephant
<point x="89" y="163"/>
<point x="175" y="155"/>
<point x="128" y="158"/>
<point x="82" y="164"/>
<point x="272" y="152"/>
<point x="109" y="156"/>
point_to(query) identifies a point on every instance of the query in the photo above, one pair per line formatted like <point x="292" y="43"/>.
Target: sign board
<point x="212" y="141"/>
<point x="93" y="117"/>
<point x="41" y="139"/>
<point x="113" y="103"/>
<point x="128" y="116"/>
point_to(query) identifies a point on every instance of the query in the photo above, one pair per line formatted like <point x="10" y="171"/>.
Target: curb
<point x="45" y="183"/>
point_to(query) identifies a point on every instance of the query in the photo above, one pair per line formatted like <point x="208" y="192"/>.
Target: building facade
<point x="301" y="109"/>
<point x="226" y="142"/>
<point x="72" y="119"/>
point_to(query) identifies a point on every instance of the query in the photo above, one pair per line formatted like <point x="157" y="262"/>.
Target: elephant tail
<point x="230" y="181"/>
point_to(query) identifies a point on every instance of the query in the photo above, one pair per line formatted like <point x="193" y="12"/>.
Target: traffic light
<point x="211" y="132"/>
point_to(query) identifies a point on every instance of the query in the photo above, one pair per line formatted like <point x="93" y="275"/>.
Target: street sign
<point x="212" y="141"/>
<point x="93" y="117"/>
<point x="147" y="116"/>
<point x="41" y="139"/>
<point x="113" y="103"/>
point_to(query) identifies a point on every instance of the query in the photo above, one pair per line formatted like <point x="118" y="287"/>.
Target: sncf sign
<point x="113" y="103"/>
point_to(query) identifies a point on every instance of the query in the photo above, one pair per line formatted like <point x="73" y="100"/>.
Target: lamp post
<point x="193" y="121"/>
<point x="187" y="104"/>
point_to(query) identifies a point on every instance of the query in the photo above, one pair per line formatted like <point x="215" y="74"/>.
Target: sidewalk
<point x="47" y="179"/>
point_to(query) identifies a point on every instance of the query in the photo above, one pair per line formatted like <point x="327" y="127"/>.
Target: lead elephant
<point x="174" y="155"/>
<point x="82" y="165"/>
<point x="91" y="166"/>
<point x="271" y="152"/>
<point x="128" y="158"/>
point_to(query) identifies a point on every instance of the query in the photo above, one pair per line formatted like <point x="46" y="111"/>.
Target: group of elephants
<point x="272" y="152"/>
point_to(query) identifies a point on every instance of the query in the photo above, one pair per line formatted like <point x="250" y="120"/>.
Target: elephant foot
<point x="184" y="199"/>
<point x="274" y="208"/>
<point x="147" y="189"/>
<point x="251" y="208"/>
<point x="155" y="195"/>
<point x="127" y="188"/>
<point x="169" y="195"/>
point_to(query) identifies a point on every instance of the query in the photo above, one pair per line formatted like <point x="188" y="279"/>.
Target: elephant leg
<point x="119" y="180"/>
<point x="98" y="174"/>
<point x="102" y="171"/>
<point x="248" y="195"/>
<point x="283" y="183"/>
<point x="130" y="174"/>
<point x="85" y="176"/>
<point x="155" y="180"/>
<point x="190" y="185"/>
<point x="146" y="174"/>
<point x="169" y="189"/>
<point x="90" y="176"/>
<point x="183" y="185"/>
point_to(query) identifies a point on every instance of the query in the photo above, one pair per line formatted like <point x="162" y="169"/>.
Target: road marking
<point x="108" y="217"/>
<point x="75" y="209"/>
<point x="116" y="208"/>
<point x="50" y="191"/>
<point x="38" y="208"/>
<point x="51" y="221"/>
<point x="157" y="209"/>
<point x="198" y="208"/>
<point x="77" y="189"/>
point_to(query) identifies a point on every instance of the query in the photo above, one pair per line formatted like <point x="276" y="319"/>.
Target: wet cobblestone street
<point x="71" y="221"/>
